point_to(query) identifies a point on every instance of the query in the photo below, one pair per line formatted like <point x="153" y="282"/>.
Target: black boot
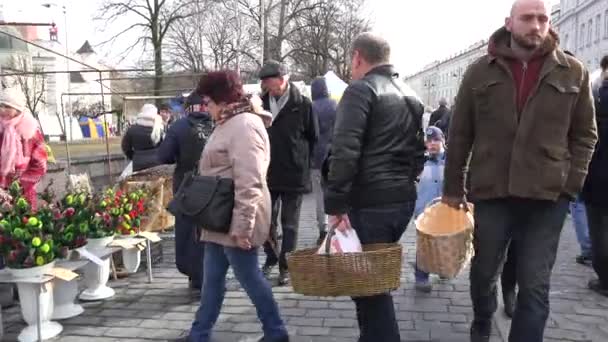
<point x="597" y="287"/>
<point x="321" y="238"/>
<point x="481" y="331"/>
<point x="509" y="299"/>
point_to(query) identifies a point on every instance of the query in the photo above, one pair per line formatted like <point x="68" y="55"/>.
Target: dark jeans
<point x="289" y="204"/>
<point x="508" y="278"/>
<point x="189" y="251"/>
<point x="535" y="227"/>
<point x="598" y="231"/>
<point x="247" y="272"/>
<point x="382" y="224"/>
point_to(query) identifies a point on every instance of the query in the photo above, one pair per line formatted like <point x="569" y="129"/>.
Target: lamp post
<point x="67" y="65"/>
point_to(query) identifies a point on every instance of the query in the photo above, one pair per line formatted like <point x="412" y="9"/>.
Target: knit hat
<point x="13" y="98"/>
<point x="434" y="133"/>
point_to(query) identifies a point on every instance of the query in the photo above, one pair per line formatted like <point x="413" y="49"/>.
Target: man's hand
<point x="340" y="222"/>
<point x="455" y="202"/>
<point x="243" y="242"/>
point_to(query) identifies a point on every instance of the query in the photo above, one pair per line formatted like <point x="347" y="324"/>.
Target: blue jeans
<point x="535" y="227"/>
<point x="382" y="224"/>
<point x="247" y="271"/>
<point x="581" y="226"/>
<point x="189" y="251"/>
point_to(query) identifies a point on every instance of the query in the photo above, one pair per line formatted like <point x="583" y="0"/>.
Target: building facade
<point x="583" y="29"/>
<point x="441" y="79"/>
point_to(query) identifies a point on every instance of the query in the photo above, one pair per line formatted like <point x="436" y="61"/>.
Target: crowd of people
<point x="524" y="140"/>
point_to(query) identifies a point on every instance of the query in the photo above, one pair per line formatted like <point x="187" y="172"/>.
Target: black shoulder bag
<point x="206" y="200"/>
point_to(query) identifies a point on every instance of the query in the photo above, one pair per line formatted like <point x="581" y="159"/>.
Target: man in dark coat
<point x="440" y="114"/>
<point x="377" y="152"/>
<point x="183" y="146"/>
<point x="324" y="109"/>
<point x="293" y="134"/>
<point x="595" y="191"/>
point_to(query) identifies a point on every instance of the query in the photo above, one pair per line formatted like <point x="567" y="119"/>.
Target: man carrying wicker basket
<point x="523" y="124"/>
<point x="376" y="155"/>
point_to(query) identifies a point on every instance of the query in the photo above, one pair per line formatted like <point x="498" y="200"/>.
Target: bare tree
<point x="324" y="38"/>
<point x="32" y="85"/>
<point x="151" y="19"/>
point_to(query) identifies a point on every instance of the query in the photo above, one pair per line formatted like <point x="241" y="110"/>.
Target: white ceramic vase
<point x="32" y="272"/>
<point x="131" y="259"/>
<point x="27" y="298"/>
<point x="99" y="242"/>
<point x="64" y="295"/>
<point x="95" y="279"/>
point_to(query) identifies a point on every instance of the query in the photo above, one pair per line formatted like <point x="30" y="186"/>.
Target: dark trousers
<point x="508" y="278"/>
<point x="189" y="251"/>
<point x="289" y="205"/>
<point x="598" y="232"/>
<point x="535" y="227"/>
<point x="382" y="224"/>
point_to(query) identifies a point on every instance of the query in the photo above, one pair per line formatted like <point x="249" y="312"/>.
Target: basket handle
<point x="465" y="207"/>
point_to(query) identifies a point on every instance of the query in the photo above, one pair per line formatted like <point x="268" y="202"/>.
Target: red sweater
<point x="526" y="76"/>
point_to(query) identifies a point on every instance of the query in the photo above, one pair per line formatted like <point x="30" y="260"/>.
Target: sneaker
<point x="481" y="331"/>
<point x="596" y="286"/>
<point x="423" y="286"/>
<point x="584" y="260"/>
<point x="509" y="300"/>
<point x="321" y="238"/>
<point x="267" y="270"/>
<point x="283" y="339"/>
<point x="283" y="278"/>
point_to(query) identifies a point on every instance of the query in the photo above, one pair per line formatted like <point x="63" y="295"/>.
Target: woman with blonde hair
<point x="142" y="139"/>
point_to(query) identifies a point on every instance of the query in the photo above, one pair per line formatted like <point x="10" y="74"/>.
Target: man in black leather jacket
<point x="376" y="155"/>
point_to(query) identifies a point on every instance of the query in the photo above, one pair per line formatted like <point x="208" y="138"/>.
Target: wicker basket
<point x="377" y="270"/>
<point x="444" y="244"/>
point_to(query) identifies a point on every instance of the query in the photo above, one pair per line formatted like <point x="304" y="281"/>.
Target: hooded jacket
<point x="538" y="151"/>
<point x="324" y="109"/>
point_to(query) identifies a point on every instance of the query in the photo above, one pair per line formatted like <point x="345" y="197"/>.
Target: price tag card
<point x="63" y="274"/>
<point x="150" y="236"/>
<point x="90" y="256"/>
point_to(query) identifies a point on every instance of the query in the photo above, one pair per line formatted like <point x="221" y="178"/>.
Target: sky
<point x="420" y="31"/>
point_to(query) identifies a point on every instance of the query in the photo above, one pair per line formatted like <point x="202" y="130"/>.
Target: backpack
<point x="193" y="142"/>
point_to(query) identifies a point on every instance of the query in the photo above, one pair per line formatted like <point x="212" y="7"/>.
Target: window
<point x="590" y="32"/>
<point x="598" y="27"/>
<point x="581" y="41"/>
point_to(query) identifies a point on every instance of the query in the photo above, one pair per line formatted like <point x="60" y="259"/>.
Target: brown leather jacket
<point x="540" y="153"/>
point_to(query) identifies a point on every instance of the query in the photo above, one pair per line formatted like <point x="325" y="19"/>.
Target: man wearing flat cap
<point x="293" y="133"/>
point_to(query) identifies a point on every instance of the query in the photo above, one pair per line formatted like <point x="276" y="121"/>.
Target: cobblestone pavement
<point x="164" y="309"/>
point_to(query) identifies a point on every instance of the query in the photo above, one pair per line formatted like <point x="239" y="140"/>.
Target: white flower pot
<point x="131" y="259"/>
<point x="32" y="272"/>
<point x="95" y="279"/>
<point x="64" y="295"/>
<point x="27" y="298"/>
<point x="100" y="242"/>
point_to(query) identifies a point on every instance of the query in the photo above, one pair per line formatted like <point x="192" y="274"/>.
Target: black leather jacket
<point x="378" y="144"/>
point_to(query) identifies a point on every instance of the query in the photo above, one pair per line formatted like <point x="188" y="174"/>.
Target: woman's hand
<point x="340" y="222"/>
<point x="242" y="242"/>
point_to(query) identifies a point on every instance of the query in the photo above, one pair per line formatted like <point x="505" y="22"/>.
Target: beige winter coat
<point x="240" y="149"/>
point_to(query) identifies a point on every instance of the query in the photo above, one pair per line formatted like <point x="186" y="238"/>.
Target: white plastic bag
<point x="346" y="241"/>
<point x="127" y="171"/>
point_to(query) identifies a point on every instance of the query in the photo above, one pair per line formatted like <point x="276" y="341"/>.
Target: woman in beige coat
<point x="239" y="149"/>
